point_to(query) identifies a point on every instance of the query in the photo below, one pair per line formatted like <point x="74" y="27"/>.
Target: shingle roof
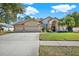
<point x="22" y="22"/>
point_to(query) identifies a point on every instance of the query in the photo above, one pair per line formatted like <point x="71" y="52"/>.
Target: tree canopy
<point x="69" y="21"/>
<point x="10" y="10"/>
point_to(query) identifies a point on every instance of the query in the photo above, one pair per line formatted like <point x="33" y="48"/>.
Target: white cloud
<point x="31" y="10"/>
<point x="73" y="6"/>
<point x="63" y="8"/>
<point x="52" y="11"/>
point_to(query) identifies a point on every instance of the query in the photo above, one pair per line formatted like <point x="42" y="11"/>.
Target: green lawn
<point x="59" y="51"/>
<point x="59" y="36"/>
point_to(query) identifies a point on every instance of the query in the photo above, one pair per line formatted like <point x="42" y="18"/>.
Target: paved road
<point x="60" y="43"/>
<point x="19" y="44"/>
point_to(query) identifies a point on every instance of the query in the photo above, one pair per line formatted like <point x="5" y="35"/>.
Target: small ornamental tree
<point x="70" y="22"/>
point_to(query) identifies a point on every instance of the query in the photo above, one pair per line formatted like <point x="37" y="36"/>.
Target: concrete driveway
<point x="19" y="44"/>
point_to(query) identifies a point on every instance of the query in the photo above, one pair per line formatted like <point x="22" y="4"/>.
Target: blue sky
<point x="42" y="10"/>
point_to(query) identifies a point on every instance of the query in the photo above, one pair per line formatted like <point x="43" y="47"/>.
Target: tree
<point x="76" y="17"/>
<point x="11" y="9"/>
<point x="61" y="22"/>
<point x="2" y="13"/>
<point x="70" y="22"/>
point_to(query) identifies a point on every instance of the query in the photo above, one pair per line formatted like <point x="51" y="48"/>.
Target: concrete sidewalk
<point x="59" y="43"/>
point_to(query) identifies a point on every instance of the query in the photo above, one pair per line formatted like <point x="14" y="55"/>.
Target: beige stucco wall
<point x="50" y="25"/>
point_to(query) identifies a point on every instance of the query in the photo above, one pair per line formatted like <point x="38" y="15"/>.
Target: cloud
<point x="52" y="11"/>
<point x="31" y="10"/>
<point x="73" y="6"/>
<point x="63" y="8"/>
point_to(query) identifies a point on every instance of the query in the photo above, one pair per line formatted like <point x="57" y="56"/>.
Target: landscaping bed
<point x="3" y="33"/>
<point x="59" y="51"/>
<point x="53" y="36"/>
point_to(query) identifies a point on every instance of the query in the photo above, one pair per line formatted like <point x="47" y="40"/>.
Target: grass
<point x="59" y="51"/>
<point x="59" y="36"/>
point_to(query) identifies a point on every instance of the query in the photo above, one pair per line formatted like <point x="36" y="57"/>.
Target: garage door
<point x="33" y="27"/>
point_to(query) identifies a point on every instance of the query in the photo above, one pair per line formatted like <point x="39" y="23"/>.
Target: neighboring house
<point x="75" y="29"/>
<point x="6" y="27"/>
<point x="31" y="25"/>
